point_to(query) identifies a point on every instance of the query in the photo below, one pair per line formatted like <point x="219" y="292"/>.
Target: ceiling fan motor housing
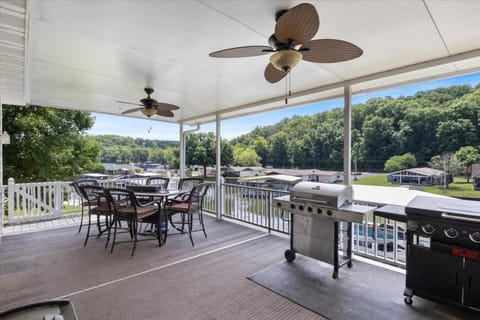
<point x="285" y="60"/>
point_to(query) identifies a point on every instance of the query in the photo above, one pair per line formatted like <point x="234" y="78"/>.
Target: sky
<point x="231" y="128"/>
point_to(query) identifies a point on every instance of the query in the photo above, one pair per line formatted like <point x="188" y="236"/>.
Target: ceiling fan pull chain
<point x="150" y="128"/>
<point x="289" y="84"/>
<point x="286" y="91"/>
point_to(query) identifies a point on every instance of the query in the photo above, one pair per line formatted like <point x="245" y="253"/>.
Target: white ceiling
<point x="88" y="54"/>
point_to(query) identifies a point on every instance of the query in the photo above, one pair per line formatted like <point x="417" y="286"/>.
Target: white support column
<point x="181" y="161"/>
<point x="347" y="136"/>
<point x="218" y="189"/>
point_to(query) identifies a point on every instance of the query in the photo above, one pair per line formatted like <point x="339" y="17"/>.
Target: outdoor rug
<point x="362" y="292"/>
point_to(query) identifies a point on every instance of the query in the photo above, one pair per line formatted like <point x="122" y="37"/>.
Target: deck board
<point x="180" y="282"/>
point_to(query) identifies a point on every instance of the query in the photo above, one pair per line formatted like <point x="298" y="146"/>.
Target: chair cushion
<point x="102" y="209"/>
<point x="179" y="207"/>
<point x="129" y="211"/>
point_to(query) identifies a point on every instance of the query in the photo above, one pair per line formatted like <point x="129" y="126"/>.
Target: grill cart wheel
<point x="290" y="255"/>
<point x="408" y="300"/>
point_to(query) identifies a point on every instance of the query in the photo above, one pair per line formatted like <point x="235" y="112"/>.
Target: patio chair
<point x="127" y="208"/>
<point x="83" y="202"/>
<point x="154" y="181"/>
<point x="188" y="183"/>
<point x="187" y="209"/>
<point x="97" y="206"/>
<point x="158" y="181"/>
<point x="185" y="185"/>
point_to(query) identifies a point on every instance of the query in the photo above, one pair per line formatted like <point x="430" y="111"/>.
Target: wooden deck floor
<point x="175" y="281"/>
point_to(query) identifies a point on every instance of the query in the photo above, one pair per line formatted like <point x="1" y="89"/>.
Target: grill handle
<point x="324" y="202"/>
<point x="448" y="216"/>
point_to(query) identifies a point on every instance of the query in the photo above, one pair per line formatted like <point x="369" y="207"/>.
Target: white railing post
<point x="222" y="195"/>
<point x="218" y="166"/>
<point x="11" y="199"/>
<point x="58" y="194"/>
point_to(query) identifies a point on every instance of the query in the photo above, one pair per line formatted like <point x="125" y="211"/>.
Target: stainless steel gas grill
<point x="321" y="218"/>
<point x="443" y="250"/>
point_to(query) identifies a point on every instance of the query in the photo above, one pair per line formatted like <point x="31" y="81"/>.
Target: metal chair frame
<point x="187" y="209"/>
<point x="127" y="208"/>
<point x="83" y="202"/>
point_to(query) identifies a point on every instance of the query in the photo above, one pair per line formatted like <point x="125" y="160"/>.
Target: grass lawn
<point x="459" y="187"/>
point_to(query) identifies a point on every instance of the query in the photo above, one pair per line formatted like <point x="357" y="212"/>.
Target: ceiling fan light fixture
<point x="149" y="111"/>
<point x="285" y="60"/>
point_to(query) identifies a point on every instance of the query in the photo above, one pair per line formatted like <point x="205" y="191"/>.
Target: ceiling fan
<point x="150" y="107"/>
<point x="292" y="42"/>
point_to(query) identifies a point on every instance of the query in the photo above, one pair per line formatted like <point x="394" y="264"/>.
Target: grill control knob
<point x="319" y="210"/>
<point x="428" y="229"/>
<point x="475" y="237"/>
<point x="451" y="233"/>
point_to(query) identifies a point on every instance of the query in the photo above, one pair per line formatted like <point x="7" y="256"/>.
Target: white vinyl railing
<point x="26" y="202"/>
<point x="37" y="201"/>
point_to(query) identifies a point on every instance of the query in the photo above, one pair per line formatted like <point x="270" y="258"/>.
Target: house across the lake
<point x="119" y="168"/>
<point x="310" y="174"/>
<point x="476" y="176"/>
<point x="233" y="171"/>
<point x="419" y="176"/>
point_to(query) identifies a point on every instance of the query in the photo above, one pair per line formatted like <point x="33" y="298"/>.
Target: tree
<point x="201" y="150"/>
<point x="450" y="160"/>
<point x="279" y="150"/>
<point x="454" y="134"/>
<point x="245" y="156"/>
<point x="226" y="152"/>
<point x="47" y="144"/>
<point x="172" y="156"/>
<point x="468" y="156"/>
<point x="139" y="154"/>
<point x="260" y="145"/>
<point x="397" y="163"/>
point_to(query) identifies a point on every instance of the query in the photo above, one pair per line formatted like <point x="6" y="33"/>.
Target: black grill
<point x="443" y="250"/>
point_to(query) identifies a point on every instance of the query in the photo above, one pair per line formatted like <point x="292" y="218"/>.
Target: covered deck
<point x="89" y="55"/>
<point x="209" y="281"/>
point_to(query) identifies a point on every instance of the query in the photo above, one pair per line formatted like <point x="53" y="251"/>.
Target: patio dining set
<point x="144" y="212"/>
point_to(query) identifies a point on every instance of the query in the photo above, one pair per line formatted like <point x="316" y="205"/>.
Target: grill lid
<point x="443" y="207"/>
<point x="326" y="194"/>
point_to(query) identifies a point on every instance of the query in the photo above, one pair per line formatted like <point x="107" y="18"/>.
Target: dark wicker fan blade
<point x="132" y="110"/>
<point x="165" y="106"/>
<point x="299" y="24"/>
<point x="125" y="102"/>
<point x="240" y="52"/>
<point x="330" y="50"/>
<point x="165" y="113"/>
<point x="273" y="75"/>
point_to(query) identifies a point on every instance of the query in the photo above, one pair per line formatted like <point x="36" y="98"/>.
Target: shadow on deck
<point x="175" y="281"/>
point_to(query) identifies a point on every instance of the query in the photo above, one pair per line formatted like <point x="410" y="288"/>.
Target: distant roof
<point x="252" y="168"/>
<point x="118" y="166"/>
<point x="276" y="177"/>
<point x="425" y="171"/>
<point x="302" y="172"/>
<point x="476" y="170"/>
<point x="387" y="195"/>
<point x="95" y="175"/>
